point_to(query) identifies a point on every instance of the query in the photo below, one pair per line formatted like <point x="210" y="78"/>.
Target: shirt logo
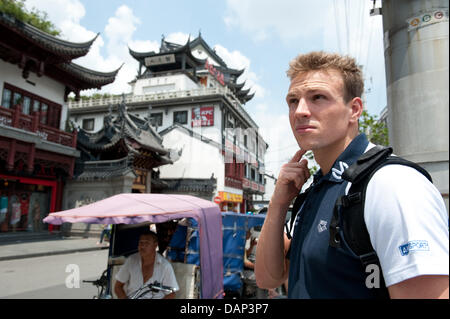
<point x="322" y="226"/>
<point x="413" y="245"/>
<point x="338" y="173"/>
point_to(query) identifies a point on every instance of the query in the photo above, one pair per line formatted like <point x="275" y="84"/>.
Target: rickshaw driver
<point x="145" y="266"/>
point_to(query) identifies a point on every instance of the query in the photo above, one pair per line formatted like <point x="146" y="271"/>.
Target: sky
<point x="261" y="36"/>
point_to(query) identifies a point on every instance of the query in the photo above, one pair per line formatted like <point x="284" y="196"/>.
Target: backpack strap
<point x="349" y="209"/>
<point x="299" y="200"/>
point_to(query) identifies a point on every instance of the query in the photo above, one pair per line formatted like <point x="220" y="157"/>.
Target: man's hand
<point x="272" y="267"/>
<point x="292" y="176"/>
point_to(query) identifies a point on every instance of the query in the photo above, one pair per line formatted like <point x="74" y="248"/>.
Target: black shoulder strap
<point x="299" y="200"/>
<point x="359" y="174"/>
<point x="351" y="206"/>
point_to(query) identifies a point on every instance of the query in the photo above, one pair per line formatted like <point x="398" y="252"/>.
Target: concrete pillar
<point x="417" y="79"/>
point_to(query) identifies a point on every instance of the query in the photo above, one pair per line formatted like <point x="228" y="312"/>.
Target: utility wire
<point x="347" y="31"/>
<point x="336" y="19"/>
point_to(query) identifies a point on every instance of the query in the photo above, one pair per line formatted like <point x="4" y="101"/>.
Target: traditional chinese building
<point x="197" y="106"/>
<point x="119" y="158"/>
<point x="37" y="153"/>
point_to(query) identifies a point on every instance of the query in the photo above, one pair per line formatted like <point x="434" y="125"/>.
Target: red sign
<point x="439" y="15"/>
<point x="217" y="74"/>
<point x="217" y="200"/>
<point x="203" y="116"/>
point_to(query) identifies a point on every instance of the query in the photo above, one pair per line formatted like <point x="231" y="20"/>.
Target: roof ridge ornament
<point x="107" y="120"/>
<point x="123" y="116"/>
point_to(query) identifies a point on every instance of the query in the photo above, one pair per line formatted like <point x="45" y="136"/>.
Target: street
<point x="52" y="277"/>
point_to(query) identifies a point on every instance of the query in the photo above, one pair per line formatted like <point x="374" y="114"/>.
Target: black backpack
<point x="351" y="206"/>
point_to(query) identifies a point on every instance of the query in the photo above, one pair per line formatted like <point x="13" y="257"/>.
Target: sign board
<point x="158" y="60"/>
<point x="202" y="116"/>
<point x="230" y="197"/>
<point x="214" y="72"/>
<point x="431" y="17"/>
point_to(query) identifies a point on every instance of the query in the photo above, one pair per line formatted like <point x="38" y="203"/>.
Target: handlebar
<point x="154" y="287"/>
<point x="100" y="282"/>
<point x="97" y="282"/>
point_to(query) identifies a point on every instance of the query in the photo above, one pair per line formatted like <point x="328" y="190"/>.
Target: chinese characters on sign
<point x="230" y="197"/>
<point x="217" y="74"/>
<point x="203" y="116"/>
<point x="162" y="59"/>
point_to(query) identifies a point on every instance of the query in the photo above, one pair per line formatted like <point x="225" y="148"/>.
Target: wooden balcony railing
<point x="30" y="123"/>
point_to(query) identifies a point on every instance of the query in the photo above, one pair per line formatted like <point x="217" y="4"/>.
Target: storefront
<point x="25" y="202"/>
<point x="230" y="202"/>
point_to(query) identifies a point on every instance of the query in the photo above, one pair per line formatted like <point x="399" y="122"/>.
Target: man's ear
<point x="356" y="105"/>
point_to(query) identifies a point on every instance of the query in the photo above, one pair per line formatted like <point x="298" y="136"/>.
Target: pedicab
<point x="184" y="247"/>
<point x="130" y="213"/>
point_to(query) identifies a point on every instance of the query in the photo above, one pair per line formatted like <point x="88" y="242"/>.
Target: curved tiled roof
<point x="123" y="128"/>
<point x="172" y="48"/>
<point x="90" y="78"/>
<point x="37" y="51"/>
<point x="65" y="49"/>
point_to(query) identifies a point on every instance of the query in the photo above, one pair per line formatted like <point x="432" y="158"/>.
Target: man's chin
<point x="304" y="145"/>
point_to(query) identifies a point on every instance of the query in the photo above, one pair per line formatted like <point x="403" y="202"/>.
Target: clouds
<point x="110" y="49"/>
<point x="66" y="15"/>
<point x="331" y="25"/>
<point x="118" y="35"/>
<point x="234" y="59"/>
<point x="285" y="19"/>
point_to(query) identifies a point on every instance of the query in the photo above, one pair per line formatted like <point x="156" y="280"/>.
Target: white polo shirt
<point x="407" y="222"/>
<point x="131" y="274"/>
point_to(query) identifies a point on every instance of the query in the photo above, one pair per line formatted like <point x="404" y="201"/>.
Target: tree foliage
<point x="375" y="129"/>
<point x="36" y="18"/>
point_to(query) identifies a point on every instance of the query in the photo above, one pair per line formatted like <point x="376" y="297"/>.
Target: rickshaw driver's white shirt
<point x="131" y="274"/>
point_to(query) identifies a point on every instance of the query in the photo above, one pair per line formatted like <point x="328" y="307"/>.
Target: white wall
<point x="198" y="160"/>
<point x="176" y="82"/>
<point x="44" y="86"/>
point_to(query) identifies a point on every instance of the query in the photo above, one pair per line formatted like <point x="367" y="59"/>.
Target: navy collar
<point x="353" y="151"/>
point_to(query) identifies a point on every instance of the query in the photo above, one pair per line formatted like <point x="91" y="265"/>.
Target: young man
<point x="145" y="266"/>
<point x="401" y="207"/>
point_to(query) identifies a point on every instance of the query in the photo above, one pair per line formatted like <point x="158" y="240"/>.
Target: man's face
<point x="318" y="114"/>
<point x="147" y="245"/>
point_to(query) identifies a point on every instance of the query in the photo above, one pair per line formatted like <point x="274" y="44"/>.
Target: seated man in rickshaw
<point x="145" y="267"/>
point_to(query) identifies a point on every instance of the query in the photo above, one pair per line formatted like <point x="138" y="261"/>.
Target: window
<point x="26" y="105"/>
<point x="49" y="112"/>
<point x="180" y="117"/>
<point x="44" y="111"/>
<point x="88" y="124"/>
<point x="245" y="140"/>
<point x="36" y="106"/>
<point x="6" y="98"/>
<point x="17" y="99"/>
<point x="253" y="172"/>
<point x="156" y="119"/>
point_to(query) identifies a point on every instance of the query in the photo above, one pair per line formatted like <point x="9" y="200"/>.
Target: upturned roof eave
<point x="48" y="42"/>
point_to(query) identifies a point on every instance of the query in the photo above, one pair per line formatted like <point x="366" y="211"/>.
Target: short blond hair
<point x="322" y="61"/>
